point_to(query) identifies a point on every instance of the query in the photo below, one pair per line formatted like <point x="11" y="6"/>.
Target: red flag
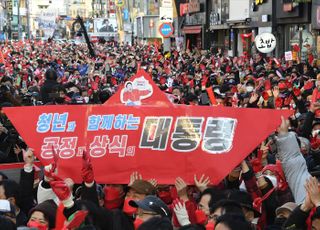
<point x="211" y="96"/>
<point x="60" y="218"/>
<point x="2" y="57"/>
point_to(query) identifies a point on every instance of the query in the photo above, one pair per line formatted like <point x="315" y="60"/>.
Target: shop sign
<point x="192" y="7"/>
<point x="265" y="42"/>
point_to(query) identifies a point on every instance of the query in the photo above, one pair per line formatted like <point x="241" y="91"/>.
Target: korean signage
<point x="192" y="7"/>
<point x="139" y="129"/>
<point x="166" y="14"/>
<point x="265" y="42"/>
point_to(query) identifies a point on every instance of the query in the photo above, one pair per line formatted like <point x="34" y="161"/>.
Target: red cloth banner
<point x="135" y="132"/>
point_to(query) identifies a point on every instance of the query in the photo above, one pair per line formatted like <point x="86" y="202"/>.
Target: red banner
<point x="161" y="141"/>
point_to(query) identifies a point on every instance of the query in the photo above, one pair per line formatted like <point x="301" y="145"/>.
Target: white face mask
<point x="249" y="89"/>
<point x="315" y="132"/>
<point x="86" y="100"/>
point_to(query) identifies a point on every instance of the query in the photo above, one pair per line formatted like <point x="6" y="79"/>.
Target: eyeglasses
<point x="142" y="213"/>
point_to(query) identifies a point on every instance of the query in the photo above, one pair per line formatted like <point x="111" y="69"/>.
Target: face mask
<point x="210" y="226"/>
<point x="315" y="133"/>
<point x="112" y="198"/>
<point x="315" y="143"/>
<point x="60" y="100"/>
<point x="70" y="94"/>
<point x="165" y="197"/>
<point x="75" y="95"/>
<point x="280" y="221"/>
<point x="86" y="99"/>
<point x="127" y="209"/>
<point x="37" y="225"/>
<point x="249" y="89"/>
<point x="137" y="223"/>
<point x="201" y="217"/>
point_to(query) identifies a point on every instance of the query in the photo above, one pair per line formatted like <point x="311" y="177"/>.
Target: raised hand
<point x="202" y="183"/>
<point x="133" y="177"/>
<point x="181" y="187"/>
<point x="87" y="169"/>
<point x="181" y="212"/>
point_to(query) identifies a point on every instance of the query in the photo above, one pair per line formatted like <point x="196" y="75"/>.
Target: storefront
<point x="294" y="28"/>
<point x="219" y="31"/>
<point x="192" y="19"/>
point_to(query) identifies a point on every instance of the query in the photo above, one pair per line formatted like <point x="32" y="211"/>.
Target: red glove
<point x="87" y="170"/>
<point x="278" y="102"/>
<point x="61" y="189"/>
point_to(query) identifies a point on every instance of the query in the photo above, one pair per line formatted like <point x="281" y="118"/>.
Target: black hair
<point x="216" y="195"/>
<point x="157" y="223"/>
<point x="11" y="189"/>
<point x="128" y="83"/>
<point x="51" y="74"/>
<point x="234" y="222"/>
<point x="228" y="207"/>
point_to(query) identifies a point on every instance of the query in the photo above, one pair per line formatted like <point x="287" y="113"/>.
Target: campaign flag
<point x="139" y="129"/>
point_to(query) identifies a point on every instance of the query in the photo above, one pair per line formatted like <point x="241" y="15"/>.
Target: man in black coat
<point x="49" y="85"/>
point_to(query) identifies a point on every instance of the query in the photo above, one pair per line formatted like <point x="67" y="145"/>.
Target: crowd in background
<point x="275" y="187"/>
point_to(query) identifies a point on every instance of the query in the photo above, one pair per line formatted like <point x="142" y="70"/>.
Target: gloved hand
<point x="181" y="213"/>
<point x="62" y="191"/>
<point x="50" y="171"/>
<point x="87" y="170"/>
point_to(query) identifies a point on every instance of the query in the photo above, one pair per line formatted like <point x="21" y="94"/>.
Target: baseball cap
<point x="290" y="206"/>
<point x="152" y="204"/>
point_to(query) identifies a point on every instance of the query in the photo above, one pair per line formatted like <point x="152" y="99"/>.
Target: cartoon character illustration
<point x="135" y="91"/>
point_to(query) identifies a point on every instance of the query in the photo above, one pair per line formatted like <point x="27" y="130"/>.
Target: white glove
<point x="182" y="214"/>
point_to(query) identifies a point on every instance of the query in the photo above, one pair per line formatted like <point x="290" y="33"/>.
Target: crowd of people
<point x="275" y="187"/>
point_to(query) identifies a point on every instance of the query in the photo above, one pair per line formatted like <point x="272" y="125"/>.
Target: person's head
<point x="232" y="222"/>
<point x="140" y="189"/>
<point x="43" y="215"/>
<point x="113" y="196"/>
<point x="156" y="223"/>
<point x="8" y="211"/>
<point x="51" y="74"/>
<point x="9" y="190"/>
<point x="208" y="198"/>
<point x="283" y="212"/>
<point x="129" y="86"/>
<point x="246" y="203"/>
<point x="148" y="208"/>
<point x="225" y="207"/>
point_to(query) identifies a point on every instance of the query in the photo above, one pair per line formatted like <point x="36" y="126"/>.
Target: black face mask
<point x="280" y="221"/>
<point x="70" y="94"/>
<point x="60" y="100"/>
